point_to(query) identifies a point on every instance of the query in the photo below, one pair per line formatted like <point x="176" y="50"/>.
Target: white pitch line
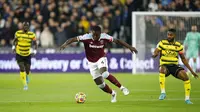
<point x="35" y="101"/>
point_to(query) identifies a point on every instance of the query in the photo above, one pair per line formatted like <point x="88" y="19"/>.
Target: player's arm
<point x="120" y="42"/>
<point x="185" y="62"/>
<point x="157" y="50"/>
<point x="68" y="42"/>
<point x="14" y="43"/>
<point x="155" y="53"/>
<point x="35" y="45"/>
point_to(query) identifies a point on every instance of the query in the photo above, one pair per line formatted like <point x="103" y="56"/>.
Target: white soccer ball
<point x="80" y="97"/>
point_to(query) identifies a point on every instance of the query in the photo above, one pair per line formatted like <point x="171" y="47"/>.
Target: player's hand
<point x="62" y="47"/>
<point x="153" y="56"/>
<point x="195" y="75"/>
<point x="33" y="52"/>
<point x="13" y="49"/>
<point x="133" y="49"/>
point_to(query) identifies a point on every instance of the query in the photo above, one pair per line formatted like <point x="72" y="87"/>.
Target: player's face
<point x="26" y="27"/>
<point x="170" y="36"/>
<point x="194" y="28"/>
<point x="96" y="35"/>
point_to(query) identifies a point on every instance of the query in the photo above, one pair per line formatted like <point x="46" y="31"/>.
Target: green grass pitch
<point x="55" y="93"/>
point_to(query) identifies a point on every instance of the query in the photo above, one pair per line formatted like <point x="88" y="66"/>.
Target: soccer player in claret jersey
<point x="22" y="47"/>
<point x="191" y="42"/>
<point x="169" y="50"/>
<point x="94" y="43"/>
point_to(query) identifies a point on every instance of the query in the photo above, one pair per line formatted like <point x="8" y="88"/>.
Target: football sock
<point x="187" y="87"/>
<point x="107" y="89"/>
<point x="162" y="82"/>
<point x="195" y="66"/>
<point x="113" y="80"/>
<point x="23" y="78"/>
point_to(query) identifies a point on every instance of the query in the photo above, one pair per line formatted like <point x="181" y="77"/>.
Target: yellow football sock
<point x="162" y="82"/>
<point x="187" y="87"/>
<point x="23" y="78"/>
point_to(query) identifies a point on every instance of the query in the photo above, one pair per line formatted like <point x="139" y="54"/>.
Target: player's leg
<point x="195" y="55"/>
<point x="103" y="68"/>
<point x="20" y="63"/>
<point x="27" y="67"/>
<point x="103" y="86"/>
<point x="162" y="72"/>
<point x="188" y="56"/>
<point x="23" y="74"/>
<point x="183" y="76"/>
<point x="94" y="71"/>
<point x="113" y="80"/>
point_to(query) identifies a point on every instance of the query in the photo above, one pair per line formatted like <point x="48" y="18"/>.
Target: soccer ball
<point x="80" y="97"/>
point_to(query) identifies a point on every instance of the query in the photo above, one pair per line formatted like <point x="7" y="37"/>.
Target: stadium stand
<point x="55" y="21"/>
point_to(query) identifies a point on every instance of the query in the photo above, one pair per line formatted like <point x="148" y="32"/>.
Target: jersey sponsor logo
<point x="95" y="46"/>
<point x="170" y="53"/>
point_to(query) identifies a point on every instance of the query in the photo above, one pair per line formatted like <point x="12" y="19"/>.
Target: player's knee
<point x="185" y="78"/>
<point x="105" y="74"/>
<point x="162" y="70"/>
<point x="102" y="85"/>
<point x="22" y="70"/>
<point x="27" y="72"/>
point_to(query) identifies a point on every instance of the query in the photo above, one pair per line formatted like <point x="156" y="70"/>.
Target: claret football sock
<point x="113" y="80"/>
<point x="107" y="89"/>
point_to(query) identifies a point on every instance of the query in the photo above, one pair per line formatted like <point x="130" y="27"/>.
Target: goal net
<point x="148" y="28"/>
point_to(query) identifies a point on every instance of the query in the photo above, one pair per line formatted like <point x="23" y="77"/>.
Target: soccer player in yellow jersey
<point x="169" y="50"/>
<point x="22" y="47"/>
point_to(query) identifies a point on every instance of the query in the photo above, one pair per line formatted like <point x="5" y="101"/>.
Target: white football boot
<point x="125" y="90"/>
<point x="114" y="97"/>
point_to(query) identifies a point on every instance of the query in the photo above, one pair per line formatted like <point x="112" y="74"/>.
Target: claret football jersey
<point x="94" y="50"/>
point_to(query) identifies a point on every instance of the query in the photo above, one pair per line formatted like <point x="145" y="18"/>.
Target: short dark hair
<point x="96" y="28"/>
<point x="172" y="30"/>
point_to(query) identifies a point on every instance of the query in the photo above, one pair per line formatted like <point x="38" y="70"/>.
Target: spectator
<point x="6" y="36"/>
<point x="116" y="23"/>
<point x="153" y="6"/>
<point x="46" y="38"/>
<point x="85" y="23"/>
<point x="180" y="6"/>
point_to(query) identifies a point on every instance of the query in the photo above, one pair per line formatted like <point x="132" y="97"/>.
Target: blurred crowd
<point x="55" y="21"/>
<point x="174" y="5"/>
<point x="157" y="26"/>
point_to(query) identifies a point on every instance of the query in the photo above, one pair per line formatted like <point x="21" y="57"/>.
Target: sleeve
<point x="83" y="37"/>
<point x="107" y="37"/>
<point x="34" y="37"/>
<point x="159" y="46"/>
<point x="16" y="34"/>
<point x="181" y="50"/>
